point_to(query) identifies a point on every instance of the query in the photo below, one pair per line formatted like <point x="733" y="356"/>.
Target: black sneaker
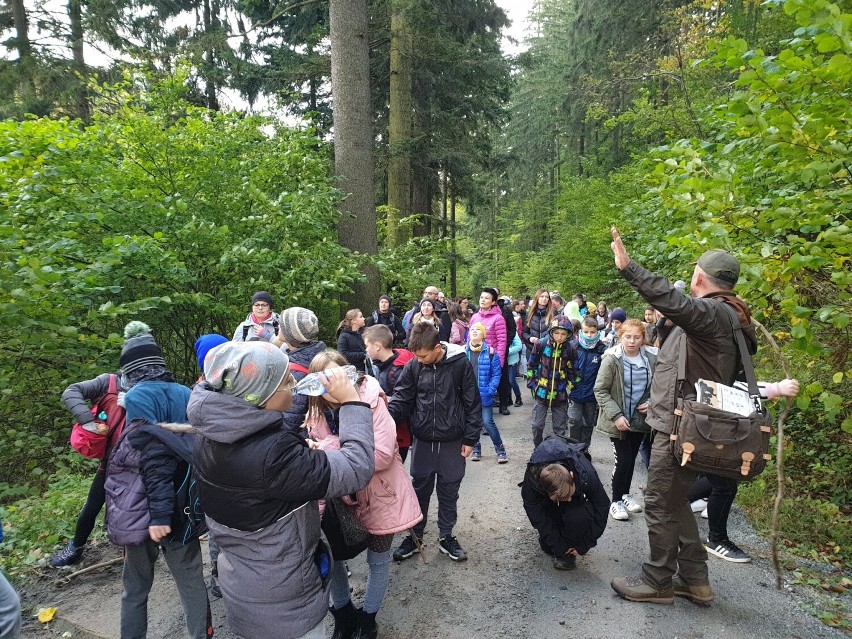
<point x="407" y="548"/>
<point x="519" y="402"/>
<point x="449" y="545"/>
<point x="728" y="551"/>
<point x="68" y="556"/>
<point x="566" y="562"/>
<point x="505" y="411"/>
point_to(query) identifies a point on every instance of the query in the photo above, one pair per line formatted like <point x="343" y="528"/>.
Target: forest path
<point x="508" y="587"/>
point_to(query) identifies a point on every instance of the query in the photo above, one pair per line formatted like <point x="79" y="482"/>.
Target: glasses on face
<point x="260" y="305"/>
<point x="288" y="383"/>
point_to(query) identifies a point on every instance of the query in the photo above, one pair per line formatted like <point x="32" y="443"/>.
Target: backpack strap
<point x="298" y="368"/>
<point x="375" y="317"/>
<point x="745" y="356"/>
<point x="245" y="332"/>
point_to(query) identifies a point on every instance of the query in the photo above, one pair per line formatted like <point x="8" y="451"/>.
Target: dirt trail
<point x="508" y="587"/>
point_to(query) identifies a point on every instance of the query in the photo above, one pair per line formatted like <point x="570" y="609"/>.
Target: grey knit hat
<point x="252" y="371"/>
<point x="299" y="326"/>
<point x="139" y="348"/>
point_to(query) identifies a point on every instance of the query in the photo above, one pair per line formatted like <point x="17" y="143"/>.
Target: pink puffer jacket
<point x="388" y="504"/>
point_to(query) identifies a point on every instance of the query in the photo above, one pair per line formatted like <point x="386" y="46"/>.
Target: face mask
<point x="589" y="342"/>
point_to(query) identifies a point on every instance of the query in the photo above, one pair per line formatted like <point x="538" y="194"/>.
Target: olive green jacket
<point x="609" y="392"/>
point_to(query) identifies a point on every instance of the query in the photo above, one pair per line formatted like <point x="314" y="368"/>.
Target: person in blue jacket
<point x="583" y="409"/>
<point x="487" y="369"/>
<point x="564" y="500"/>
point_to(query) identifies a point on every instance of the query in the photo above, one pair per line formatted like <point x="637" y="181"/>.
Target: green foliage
<point x="772" y="184"/>
<point x="35" y="526"/>
<point x="158" y="210"/>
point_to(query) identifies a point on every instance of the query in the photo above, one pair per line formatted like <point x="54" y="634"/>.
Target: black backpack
<point x="189" y="514"/>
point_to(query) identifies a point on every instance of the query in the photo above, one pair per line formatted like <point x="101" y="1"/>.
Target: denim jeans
<point x="513" y="380"/>
<point x="491" y="429"/>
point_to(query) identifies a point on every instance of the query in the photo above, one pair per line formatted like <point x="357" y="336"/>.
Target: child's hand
<point x="622" y="424"/>
<point x="158" y="533"/>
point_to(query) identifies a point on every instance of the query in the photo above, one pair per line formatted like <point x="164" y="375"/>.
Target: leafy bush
<point x="160" y="211"/>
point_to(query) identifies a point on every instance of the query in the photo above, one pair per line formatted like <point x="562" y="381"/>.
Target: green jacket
<point x="710" y="344"/>
<point x="609" y="392"/>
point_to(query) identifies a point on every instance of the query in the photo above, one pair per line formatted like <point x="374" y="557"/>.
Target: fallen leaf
<point x="46" y="614"/>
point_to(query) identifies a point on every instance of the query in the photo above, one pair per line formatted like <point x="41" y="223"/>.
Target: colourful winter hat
<point x="252" y="371"/>
<point x="139" y="348"/>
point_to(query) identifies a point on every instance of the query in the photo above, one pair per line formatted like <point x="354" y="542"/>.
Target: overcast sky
<point x="517" y="10"/>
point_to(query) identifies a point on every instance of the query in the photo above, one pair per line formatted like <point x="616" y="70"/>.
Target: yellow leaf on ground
<point x="46" y="614"/>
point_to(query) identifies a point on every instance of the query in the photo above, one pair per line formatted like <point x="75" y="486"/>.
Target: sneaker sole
<point x="502" y="461"/>
<point x="453" y="557"/>
<point x="727" y="557"/>
<point x="401" y="557"/>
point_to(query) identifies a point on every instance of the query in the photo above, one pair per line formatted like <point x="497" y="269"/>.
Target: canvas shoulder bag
<point x="717" y="442"/>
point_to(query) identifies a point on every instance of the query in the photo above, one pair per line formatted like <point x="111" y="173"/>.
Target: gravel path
<point x="508" y="587"/>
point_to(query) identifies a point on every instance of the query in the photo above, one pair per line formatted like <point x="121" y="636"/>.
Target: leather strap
<point x="745" y="357"/>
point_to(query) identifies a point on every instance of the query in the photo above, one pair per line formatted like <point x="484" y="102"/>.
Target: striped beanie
<point x="299" y="326"/>
<point x="139" y="348"/>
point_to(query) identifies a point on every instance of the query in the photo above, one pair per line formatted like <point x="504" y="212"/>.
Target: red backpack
<point x="96" y="445"/>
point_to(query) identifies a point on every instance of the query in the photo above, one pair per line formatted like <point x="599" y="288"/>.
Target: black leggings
<point x="91" y="509"/>
<point x="624" y="451"/>
<point x="720" y="494"/>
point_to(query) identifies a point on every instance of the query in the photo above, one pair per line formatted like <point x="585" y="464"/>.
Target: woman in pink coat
<point x="386" y="506"/>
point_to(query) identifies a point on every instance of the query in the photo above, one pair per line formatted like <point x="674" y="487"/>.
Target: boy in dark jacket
<point x="551" y="377"/>
<point x="583" y="411"/>
<point x="389" y="363"/>
<point x="438" y="394"/>
<point x="564" y="500"/>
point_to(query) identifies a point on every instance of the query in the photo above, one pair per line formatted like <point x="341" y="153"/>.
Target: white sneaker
<point x="704" y="513"/>
<point x="631" y="504"/>
<point x="618" y="511"/>
<point x="698" y="505"/>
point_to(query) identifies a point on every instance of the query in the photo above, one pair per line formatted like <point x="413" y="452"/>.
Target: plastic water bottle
<point x="310" y="384"/>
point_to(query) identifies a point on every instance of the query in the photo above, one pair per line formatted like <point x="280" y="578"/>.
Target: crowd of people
<point x="276" y="473"/>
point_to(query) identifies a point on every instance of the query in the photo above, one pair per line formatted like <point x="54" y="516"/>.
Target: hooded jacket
<point x="495" y="330"/>
<point x="388" y="504"/>
<point x="351" y="346"/>
<point x="711" y="348"/>
<point x="551" y="367"/>
<point x="487" y="373"/>
<point x="586" y="366"/>
<point x="259" y="485"/>
<point x="578" y="523"/>
<point x="609" y="392"/>
<point x="441" y="401"/>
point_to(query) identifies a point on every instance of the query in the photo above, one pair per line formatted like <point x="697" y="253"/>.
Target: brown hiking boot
<point x="634" y="588"/>
<point x="696" y="594"/>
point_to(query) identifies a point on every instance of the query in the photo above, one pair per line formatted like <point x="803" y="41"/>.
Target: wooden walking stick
<point x="779" y="460"/>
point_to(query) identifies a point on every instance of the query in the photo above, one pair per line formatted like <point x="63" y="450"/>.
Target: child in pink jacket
<point x="386" y="506"/>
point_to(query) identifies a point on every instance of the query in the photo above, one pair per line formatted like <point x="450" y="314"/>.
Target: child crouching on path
<point x="551" y="376"/>
<point x="260" y="484"/>
<point x="386" y="506"/>
<point x="486" y="368"/>
<point x="564" y="500"/>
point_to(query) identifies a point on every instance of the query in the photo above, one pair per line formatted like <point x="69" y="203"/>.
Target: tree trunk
<point x="23" y="47"/>
<point x="75" y="17"/>
<point x="399" y="122"/>
<point x="353" y="139"/>
<point x="210" y="59"/>
<point x="422" y="176"/>
<point x="453" y="254"/>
